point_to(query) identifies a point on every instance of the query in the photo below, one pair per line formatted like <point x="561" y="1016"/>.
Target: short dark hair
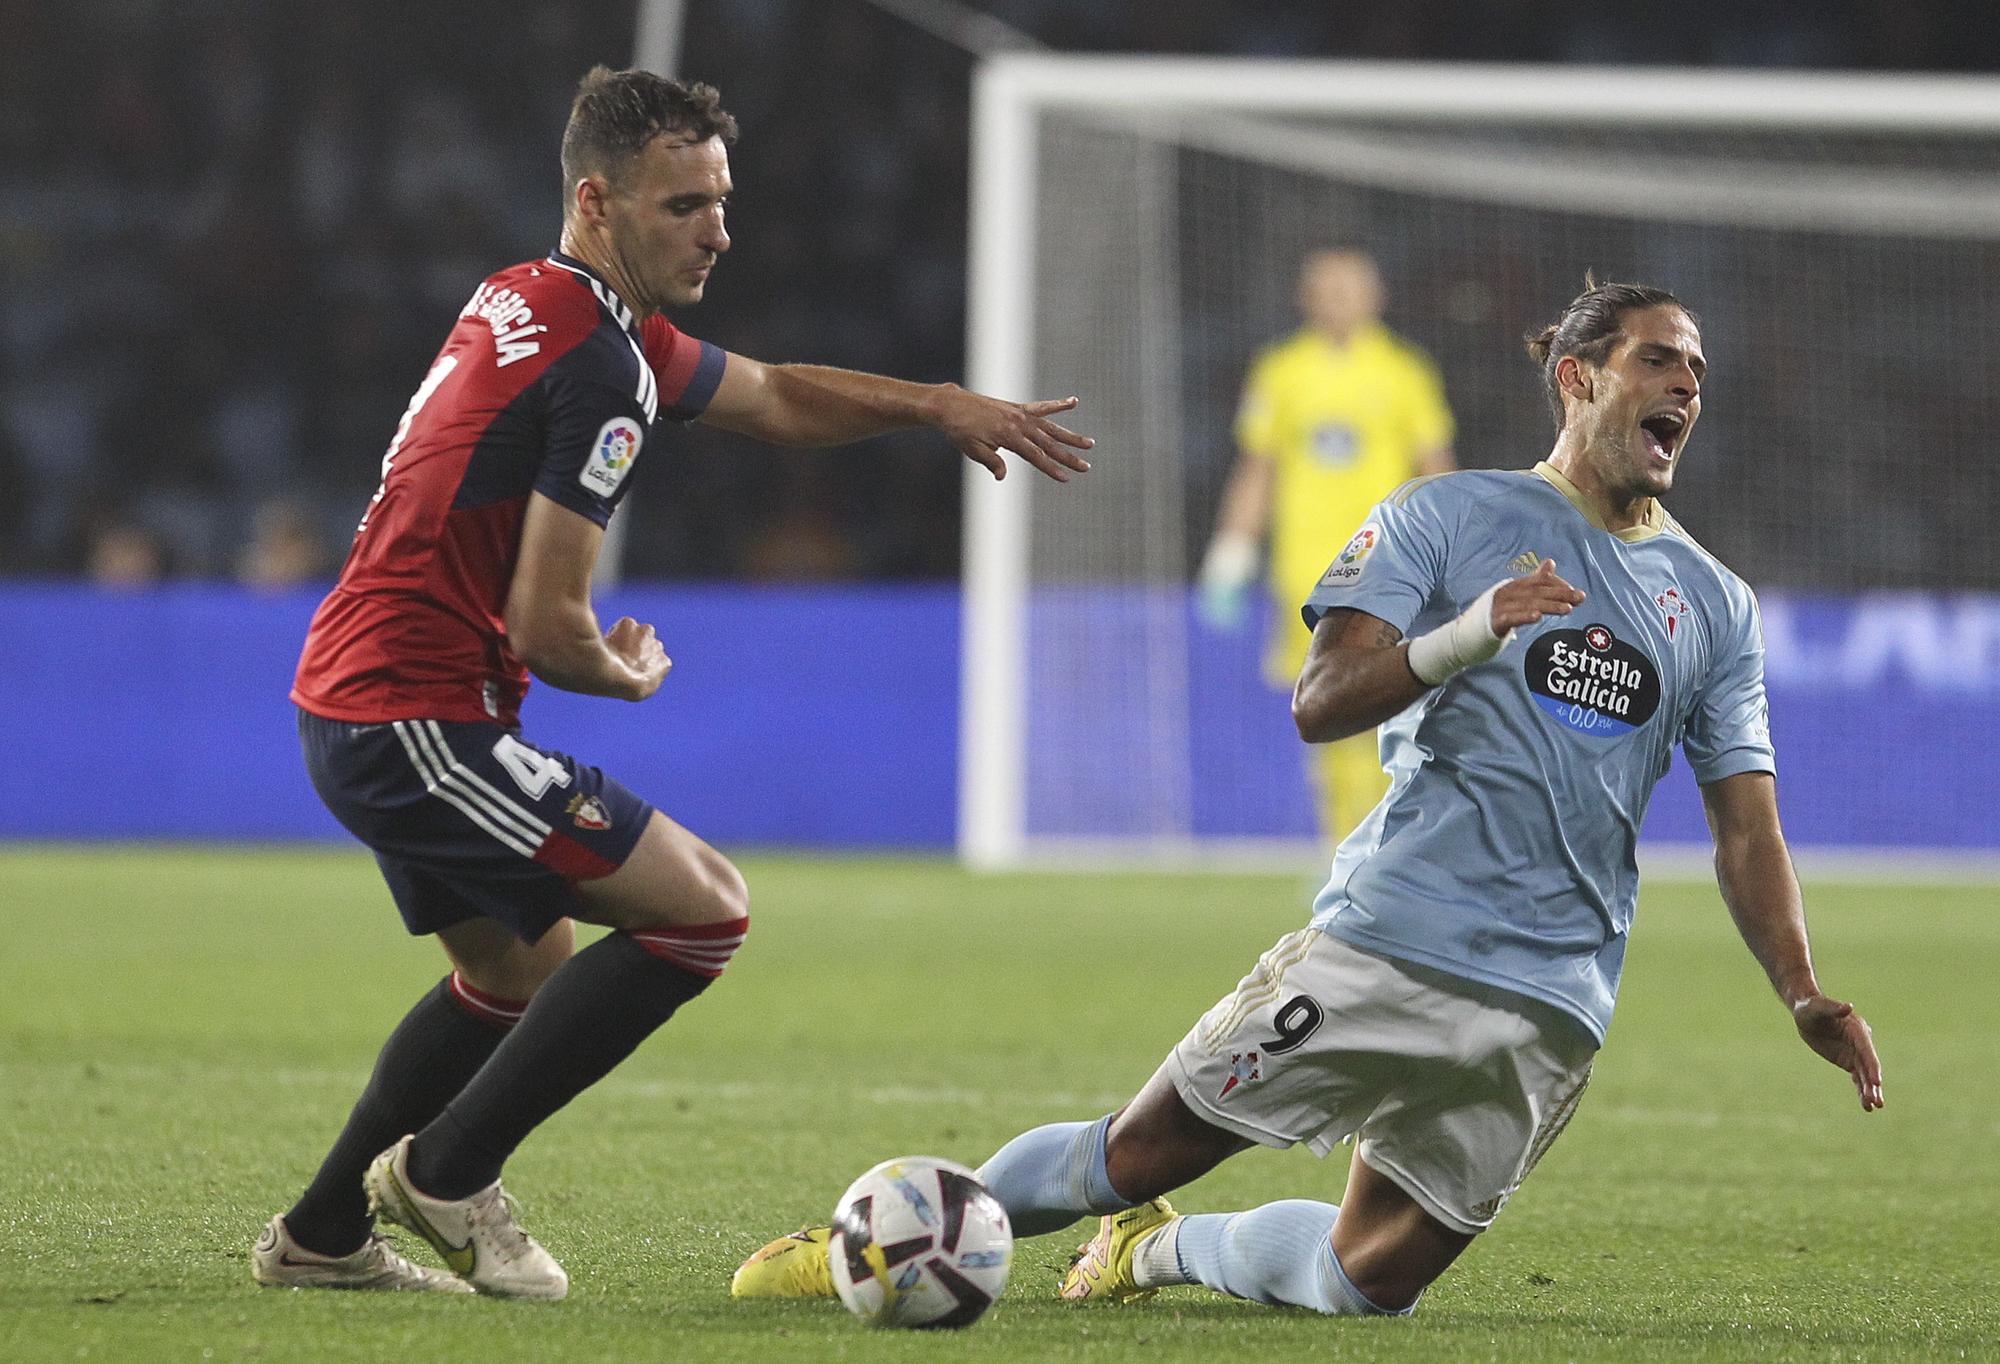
<point x="1590" y="327"/>
<point x="617" y="113"/>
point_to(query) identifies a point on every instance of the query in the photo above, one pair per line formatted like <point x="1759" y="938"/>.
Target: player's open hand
<point x="1525" y="600"/>
<point x="640" y="650"/>
<point x="982" y="427"/>
<point x="1832" y="1028"/>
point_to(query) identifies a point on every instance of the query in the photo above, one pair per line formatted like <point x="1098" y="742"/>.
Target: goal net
<point x="1137" y="229"/>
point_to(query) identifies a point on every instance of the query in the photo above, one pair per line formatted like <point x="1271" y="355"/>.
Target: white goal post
<point x="1107" y="242"/>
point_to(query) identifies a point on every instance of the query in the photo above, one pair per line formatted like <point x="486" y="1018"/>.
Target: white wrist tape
<point x="1459" y="643"/>
<point x="1230" y="564"/>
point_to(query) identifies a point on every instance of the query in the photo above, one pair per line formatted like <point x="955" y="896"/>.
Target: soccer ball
<point x="919" y="1242"/>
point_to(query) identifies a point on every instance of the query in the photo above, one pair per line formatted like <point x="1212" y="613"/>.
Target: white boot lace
<point x="497" y="1214"/>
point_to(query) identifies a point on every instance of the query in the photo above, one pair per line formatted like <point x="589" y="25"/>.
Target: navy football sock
<point x="590" y="1015"/>
<point x="439" y="1045"/>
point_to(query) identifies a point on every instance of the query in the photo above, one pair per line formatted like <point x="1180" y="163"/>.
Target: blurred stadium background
<point x="234" y="233"/>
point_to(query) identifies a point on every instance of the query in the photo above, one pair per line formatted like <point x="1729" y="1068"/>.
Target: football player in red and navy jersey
<point x="470" y="573"/>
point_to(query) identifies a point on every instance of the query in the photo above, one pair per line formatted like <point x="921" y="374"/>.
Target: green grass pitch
<point x="181" y="1031"/>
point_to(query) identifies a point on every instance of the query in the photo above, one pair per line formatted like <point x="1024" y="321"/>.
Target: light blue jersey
<point x="1503" y="852"/>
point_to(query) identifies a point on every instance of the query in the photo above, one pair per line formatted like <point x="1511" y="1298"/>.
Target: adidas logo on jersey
<point x="1527" y="561"/>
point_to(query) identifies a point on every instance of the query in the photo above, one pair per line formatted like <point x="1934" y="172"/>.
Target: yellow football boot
<point x="1102" y="1268"/>
<point x="792" y="1266"/>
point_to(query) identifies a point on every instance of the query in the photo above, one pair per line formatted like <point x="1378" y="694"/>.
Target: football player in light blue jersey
<point x="1503" y="852"/>
<point x="1533" y="645"/>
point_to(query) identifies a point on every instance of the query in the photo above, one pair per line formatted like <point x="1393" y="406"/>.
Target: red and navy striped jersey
<point x="546" y="384"/>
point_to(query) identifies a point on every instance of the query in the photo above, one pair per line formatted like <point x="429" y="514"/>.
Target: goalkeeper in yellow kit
<point x="1333" y="419"/>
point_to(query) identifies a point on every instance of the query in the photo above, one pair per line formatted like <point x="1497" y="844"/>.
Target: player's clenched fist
<point x="640" y="650"/>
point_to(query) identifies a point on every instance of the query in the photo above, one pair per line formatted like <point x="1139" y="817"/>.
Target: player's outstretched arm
<point x="1754" y="869"/>
<point x="551" y="624"/>
<point x="816" y="405"/>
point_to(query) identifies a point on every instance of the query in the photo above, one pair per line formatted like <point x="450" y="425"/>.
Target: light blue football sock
<point x="1279" y="1253"/>
<point x="1048" y="1178"/>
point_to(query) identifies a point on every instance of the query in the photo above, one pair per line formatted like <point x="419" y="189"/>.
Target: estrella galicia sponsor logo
<point x="1592" y="681"/>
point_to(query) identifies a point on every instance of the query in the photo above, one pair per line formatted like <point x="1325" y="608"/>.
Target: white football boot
<point x="277" y="1261"/>
<point x="477" y="1236"/>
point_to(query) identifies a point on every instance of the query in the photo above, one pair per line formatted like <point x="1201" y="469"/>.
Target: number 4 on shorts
<point x="534" y="772"/>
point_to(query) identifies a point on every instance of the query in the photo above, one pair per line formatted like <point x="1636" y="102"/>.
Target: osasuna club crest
<point x="1592" y="681"/>
<point x="588" y="812"/>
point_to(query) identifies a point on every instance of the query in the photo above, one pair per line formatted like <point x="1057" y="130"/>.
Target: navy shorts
<point x="471" y="819"/>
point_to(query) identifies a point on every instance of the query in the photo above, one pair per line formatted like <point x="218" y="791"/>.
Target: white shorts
<point x="1455" y="1088"/>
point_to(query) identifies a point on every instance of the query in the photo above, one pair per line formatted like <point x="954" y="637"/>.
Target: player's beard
<point x="1625" y="470"/>
<point x="1639" y="474"/>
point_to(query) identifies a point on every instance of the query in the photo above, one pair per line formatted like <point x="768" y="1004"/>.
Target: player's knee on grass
<point x="1389" y="1248"/>
<point x="1388" y="1285"/>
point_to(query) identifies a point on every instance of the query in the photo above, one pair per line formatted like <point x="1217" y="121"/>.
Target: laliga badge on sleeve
<point x="1347" y="567"/>
<point x="611" y="456"/>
